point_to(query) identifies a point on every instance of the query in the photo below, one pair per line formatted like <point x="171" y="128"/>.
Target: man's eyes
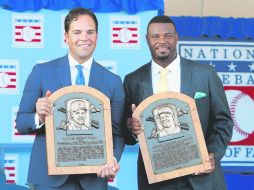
<point x="165" y="36"/>
<point x="76" y="32"/>
<point x="90" y="32"/>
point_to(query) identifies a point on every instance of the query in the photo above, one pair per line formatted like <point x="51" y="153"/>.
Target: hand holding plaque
<point x="172" y="143"/>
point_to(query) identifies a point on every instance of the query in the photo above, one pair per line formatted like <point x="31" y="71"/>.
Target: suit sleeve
<point x="25" y="122"/>
<point x="220" y="121"/>
<point x="117" y="107"/>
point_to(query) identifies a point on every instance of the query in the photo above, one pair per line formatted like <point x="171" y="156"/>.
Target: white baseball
<point x="4" y="80"/>
<point x="28" y="34"/>
<point x="241" y="107"/>
<point x="125" y="35"/>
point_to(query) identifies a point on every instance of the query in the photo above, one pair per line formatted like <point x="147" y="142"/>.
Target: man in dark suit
<point x="81" y="36"/>
<point x="187" y="77"/>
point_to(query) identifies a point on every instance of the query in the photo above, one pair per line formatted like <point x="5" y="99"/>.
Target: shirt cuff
<point x="135" y="137"/>
<point x="37" y="122"/>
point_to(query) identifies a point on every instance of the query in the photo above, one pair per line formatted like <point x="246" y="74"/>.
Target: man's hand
<point x="134" y="124"/>
<point x="211" y="160"/>
<point x="108" y="171"/>
<point x="44" y="107"/>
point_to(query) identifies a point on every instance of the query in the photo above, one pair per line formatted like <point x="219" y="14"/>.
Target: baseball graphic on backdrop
<point x="241" y="107"/>
<point x="125" y="35"/>
<point x="4" y="80"/>
<point x="28" y="34"/>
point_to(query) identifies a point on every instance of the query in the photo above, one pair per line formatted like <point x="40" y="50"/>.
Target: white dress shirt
<point x="174" y="76"/>
<point x="86" y="69"/>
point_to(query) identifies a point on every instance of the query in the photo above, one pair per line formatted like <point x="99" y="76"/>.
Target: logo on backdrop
<point x="9" y="76"/>
<point x="27" y="30"/>
<point x="10" y="166"/>
<point x="234" y="63"/>
<point x="125" y="32"/>
<point x="110" y="65"/>
<point x="241" y="106"/>
<point x="16" y="136"/>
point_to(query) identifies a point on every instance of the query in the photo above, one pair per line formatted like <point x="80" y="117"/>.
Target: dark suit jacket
<point x="53" y="76"/>
<point x="213" y="111"/>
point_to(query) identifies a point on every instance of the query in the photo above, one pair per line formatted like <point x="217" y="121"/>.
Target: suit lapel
<point x="146" y="87"/>
<point x="95" y="76"/>
<point x="147" y="82"/>
<point x="186" y="76"/>
<point x="63" y="71"/>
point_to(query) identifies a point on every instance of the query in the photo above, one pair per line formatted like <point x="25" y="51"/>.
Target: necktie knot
<point x="79" y="67"/>
<point x="80" y="79"/>
<point x="163" y="84"/>
<point x="164" y="72"/>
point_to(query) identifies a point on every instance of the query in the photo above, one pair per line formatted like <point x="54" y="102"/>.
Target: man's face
<point x="81" y="38"/>
<point x="166" y="119"/>
<point x="79" y="116"/>
<point x="162" y="39"/>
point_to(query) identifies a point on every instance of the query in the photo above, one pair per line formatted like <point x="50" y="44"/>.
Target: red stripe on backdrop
<point x="11" y="86"/>
<point x="22" y="40"/>
<point x="10" y="181"/>
<point x="9" y="168"/>
<point x="19" y="27"/>
<point x="10" y="73"/>
<point x="132" y="29"/>
<point x="245" y="89"/>
<point x="129" y="42"/>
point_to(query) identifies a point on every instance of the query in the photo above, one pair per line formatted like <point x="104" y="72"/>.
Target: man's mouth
<point x="163" y="48"/>
<point x="83" y="45"/>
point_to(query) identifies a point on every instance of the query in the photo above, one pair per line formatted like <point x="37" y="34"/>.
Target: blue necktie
<point x="80" y="79"/>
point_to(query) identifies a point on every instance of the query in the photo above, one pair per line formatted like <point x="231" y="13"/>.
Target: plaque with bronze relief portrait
<point x="79" y="132"/>
<point x="172" y="143"/>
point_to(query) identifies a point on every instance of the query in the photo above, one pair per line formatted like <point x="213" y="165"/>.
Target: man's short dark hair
<point x="161" y="19"/>
<point x="75" y="13"/>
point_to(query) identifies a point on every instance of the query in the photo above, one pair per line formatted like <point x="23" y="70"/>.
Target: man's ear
<point x="147" y="38"/>
<point x="66" y="39"/>
<point x="177" y="36"/>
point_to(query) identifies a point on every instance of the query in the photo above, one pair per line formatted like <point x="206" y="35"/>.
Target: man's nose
<point x="84" y="36"/>
<point x="161" y="39"/>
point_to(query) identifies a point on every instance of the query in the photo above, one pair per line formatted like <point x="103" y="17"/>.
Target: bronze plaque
<point x="172" y="143"/>
<point x="79" y="132"/>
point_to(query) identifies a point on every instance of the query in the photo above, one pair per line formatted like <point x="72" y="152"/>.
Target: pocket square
<point x="199" y="95"/>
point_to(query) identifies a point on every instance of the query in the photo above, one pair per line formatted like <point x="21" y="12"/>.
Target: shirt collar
<point x="86" y="65"/>
<point x="172" y="67"/>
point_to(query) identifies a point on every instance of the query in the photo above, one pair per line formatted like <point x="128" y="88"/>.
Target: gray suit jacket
<point x="213" y="111"/>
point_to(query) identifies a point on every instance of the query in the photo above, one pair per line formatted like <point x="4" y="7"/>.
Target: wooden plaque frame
<point x="105" y="123"/>
<point x="163" y="99"/>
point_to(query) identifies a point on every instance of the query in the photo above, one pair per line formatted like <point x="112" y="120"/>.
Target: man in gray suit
<point x="190" y="78"/>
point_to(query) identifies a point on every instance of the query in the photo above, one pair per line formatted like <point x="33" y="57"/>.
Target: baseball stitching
<point x="232" y="108"/>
